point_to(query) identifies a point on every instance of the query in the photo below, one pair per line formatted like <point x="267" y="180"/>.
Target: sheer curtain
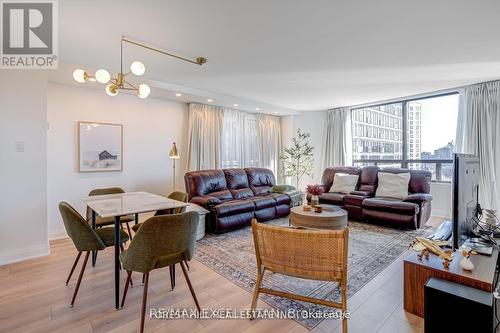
<point x="478" y="133"/>
<point x="269" y="134"/>
<point x="205" y="123"/>
<point x="338" y="141"/>
<point x="232" y="139"/>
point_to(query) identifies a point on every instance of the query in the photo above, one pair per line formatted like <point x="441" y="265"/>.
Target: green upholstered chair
<point x="162" y="241"/>
<point x="179" y="196"/>
<point x="105" y="221"/>
<point x="85" y="239"/>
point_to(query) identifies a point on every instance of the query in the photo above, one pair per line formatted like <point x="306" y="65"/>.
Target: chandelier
<point x="137" y="68"/>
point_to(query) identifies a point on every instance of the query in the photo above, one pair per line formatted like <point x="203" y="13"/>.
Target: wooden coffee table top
<point x="332" y="217"/>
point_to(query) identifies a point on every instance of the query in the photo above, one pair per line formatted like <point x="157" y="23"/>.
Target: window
<point x="418" y="134"/>
<point x="239" y="140"/>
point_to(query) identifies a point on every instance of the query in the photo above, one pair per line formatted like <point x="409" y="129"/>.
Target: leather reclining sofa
<point x="235" y="196"/>
<point x="363" y="205"/>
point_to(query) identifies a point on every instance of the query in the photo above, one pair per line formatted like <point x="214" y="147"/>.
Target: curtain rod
<point x="416" y="96"/>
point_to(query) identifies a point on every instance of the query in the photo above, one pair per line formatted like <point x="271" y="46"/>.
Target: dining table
<point x="124" y="204"/>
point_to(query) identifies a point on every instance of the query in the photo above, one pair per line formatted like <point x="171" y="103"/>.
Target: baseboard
<point x="25" y="253"/>
<point x="58" y="234"/>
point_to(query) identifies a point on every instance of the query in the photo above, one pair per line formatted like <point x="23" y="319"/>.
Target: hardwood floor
<point x="34" y="298"/>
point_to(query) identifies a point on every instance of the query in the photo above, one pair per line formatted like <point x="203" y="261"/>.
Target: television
<point x="465" y="197"/>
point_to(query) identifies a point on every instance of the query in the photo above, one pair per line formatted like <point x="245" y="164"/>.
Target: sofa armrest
<point x="205" y="201"/>
<point x="418" y="198"/>
<point x="283" y="189"/>
<point x="361" y="193"/>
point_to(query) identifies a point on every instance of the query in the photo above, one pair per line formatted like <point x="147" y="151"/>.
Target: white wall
<point x="23" y="111"/>
<point x="314" y="123"/>
<point x="149" y="128"/>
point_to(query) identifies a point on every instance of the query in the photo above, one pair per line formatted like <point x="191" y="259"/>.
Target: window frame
<point x="405" y="161"/>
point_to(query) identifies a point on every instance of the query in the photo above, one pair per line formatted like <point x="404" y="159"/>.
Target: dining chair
<point x="106" y="221"/>
<point x="85" y="239"/>
<point x="304" y="253"/>
<point x="162" y="241"/>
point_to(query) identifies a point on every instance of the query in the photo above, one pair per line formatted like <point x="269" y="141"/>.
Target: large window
<point x="416" y="134"/>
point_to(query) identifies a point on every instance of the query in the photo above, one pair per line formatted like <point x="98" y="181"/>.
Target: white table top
<point x="110" y="205"/>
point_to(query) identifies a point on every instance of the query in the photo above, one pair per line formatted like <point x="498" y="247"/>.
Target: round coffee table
<point x="332" y="217"/>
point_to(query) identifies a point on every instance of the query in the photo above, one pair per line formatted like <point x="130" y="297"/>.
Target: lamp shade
<point x="173" y="152"/>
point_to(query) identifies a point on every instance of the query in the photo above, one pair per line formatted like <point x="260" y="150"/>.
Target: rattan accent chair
<point x="305" y="253"/>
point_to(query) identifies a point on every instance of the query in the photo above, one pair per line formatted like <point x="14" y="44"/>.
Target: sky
<point x="439" y="121"/>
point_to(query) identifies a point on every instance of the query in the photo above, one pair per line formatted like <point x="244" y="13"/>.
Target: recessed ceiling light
<point x="178" y="94"/>
<point x="276" y="112"/>
<point x="210" y="100"/>
<point x="257" y="109"/>
<point x="236" y="105"/>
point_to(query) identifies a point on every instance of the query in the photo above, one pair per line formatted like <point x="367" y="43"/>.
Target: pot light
<point x="236" y="105"/>
<point x="137" y="68"/>
<point x="178" y="94"/>
<point x="210" y="100"/>
<point x="257" y="109"/>
<point x="102" y="76"/>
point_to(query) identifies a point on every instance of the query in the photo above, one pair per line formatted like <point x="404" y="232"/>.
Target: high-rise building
<point x="414" y="130"/>
<point x="377" y="133"/>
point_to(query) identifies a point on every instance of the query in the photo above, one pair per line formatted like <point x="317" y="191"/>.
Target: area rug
<point x="371" y="249"/>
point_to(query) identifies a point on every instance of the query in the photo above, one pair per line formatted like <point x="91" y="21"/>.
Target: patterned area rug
<point x="371" y="249"/>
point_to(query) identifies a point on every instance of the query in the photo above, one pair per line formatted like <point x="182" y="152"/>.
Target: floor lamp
<point x="174" y="154"/>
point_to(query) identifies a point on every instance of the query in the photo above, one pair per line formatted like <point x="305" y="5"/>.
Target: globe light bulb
<point x="137" y="68"/>
<point x="102" y="76"/>
<point x="80" y="75"/>
<point x="143" y="90"/>
<point x="111" y="89"/>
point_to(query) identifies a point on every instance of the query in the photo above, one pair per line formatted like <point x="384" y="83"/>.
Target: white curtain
<point x="338" y="138"/>
<point x="478" y="133"/>
<point x="269" y="135"/>
<point x="233" y="139"/>
<point x="205" y="123"/>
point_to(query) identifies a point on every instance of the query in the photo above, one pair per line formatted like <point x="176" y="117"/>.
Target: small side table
<point x="202" y="212"/>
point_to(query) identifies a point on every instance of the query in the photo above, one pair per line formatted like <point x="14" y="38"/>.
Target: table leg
<point x="117" y="261"/>
<point x="136" y="218"/>
<point x="94" y="253"/>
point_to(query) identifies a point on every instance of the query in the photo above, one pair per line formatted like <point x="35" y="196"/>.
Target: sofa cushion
<point x="236" y="178"/>
<point x="260" y="180"/>
<point x="344" y="183"/>
<point x="204" y="182"/>
<point x="329" y="175"/>
<point x="354" y="200"/>
<point x="234" y="207"/>
<point x="263" y="202"/>
<point x="332" y="198"/>
<point x="282" y="199"/>
<point x="222" y="195"/>
<point x="242" y="193"/>
<point x="368" y="179"/>
<point x="420" y="181"/>
<point x="393" y="185"/>
<point x="390" y="205"/>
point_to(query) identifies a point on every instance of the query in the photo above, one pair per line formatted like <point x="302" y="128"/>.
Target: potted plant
<point x="314" y="191"/>
<point x="298" y="159"/>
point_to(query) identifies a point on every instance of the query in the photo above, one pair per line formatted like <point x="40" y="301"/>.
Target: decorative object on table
<point x="306" y="208"/>
<point x="421" y="243"/>
<point x="174" y="155"/>
<point x="314" y="191"/>
<point x="115" y="84"/>
<point x="298" y="159"/>
<point x="100" y="147"/>
<point x="318" y="209"/>
<point x="466" y="262"/>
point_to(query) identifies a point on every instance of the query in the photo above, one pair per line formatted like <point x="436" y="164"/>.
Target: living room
<point x="298" y="166"/>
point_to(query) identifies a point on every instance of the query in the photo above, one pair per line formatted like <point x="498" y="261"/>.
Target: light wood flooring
<point x="34" y="298"/>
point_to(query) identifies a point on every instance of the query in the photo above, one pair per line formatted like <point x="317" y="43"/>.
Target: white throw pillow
<point x="393" y="185"/>
<point x="344" y="183"/>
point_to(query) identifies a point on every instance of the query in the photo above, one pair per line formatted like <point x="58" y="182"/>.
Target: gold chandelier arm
<point x="199" y="61"/>
<point x="130" y="84"/>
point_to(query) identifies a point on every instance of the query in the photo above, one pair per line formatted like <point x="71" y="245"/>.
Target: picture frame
<point x="100" y="147"/>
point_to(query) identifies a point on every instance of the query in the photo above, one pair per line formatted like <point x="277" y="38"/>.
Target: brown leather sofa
<point x="235" y="196"/>
<point x="363" y="205"/>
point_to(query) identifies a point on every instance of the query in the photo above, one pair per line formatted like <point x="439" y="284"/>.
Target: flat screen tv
<point x="465" y="197"/>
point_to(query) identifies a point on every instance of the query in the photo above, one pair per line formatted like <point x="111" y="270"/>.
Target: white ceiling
<point x="291" y="54"/>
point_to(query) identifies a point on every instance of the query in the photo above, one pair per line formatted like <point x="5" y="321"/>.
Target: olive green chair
<point x="162" y="241"/>
<point x="106" y="221"/>
<point x="85" y="239"/>
<point x="179" y="196"/>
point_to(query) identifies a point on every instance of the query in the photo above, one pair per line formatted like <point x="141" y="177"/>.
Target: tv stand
<point x="417" y="272"/>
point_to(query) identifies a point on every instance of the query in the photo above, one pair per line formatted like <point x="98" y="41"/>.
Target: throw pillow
<point x="393" y="185"/>
<point x="344" y="183"/>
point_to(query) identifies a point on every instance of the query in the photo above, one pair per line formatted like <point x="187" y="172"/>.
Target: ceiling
<point x="291" y="55"/>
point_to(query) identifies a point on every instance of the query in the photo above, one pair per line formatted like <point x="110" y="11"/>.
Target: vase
<point x="314" y="200"/>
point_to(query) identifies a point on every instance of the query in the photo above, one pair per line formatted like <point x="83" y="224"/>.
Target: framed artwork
<point x="100" y="147"/>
